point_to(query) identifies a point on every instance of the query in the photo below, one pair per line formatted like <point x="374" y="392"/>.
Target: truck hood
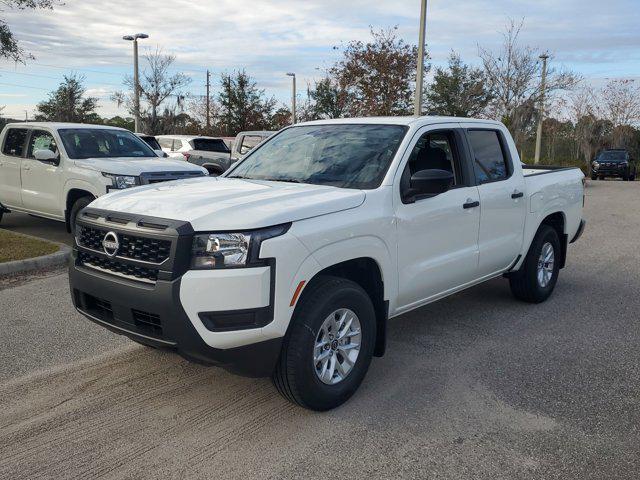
<point x="136" y="165"/>
<point x="218" y="203"/>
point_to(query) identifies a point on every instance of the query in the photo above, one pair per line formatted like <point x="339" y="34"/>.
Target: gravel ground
<point x="474" y="386"/>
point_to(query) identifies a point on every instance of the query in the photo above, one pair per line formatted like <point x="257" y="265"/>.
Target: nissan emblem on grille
<point x="110" y="244"/>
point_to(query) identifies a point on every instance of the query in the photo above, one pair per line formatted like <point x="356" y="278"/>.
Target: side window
<point x="165" y="142"/>
<point x="490" y="163"/>
<point x="435" y="150"/>
<point x="41" y="140"/>
<point x="14" y="142"/>
<point x="248" y="142"/>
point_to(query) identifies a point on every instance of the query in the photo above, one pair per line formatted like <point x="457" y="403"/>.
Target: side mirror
<point x="429" y="182"/>
<point x="46" y="155"/>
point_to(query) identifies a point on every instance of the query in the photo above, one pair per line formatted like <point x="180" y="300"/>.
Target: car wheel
<point x="537" y="277"/>
<point x="77" y="206"/>
<point x="329" y="346"/>
<point x="594" y="177"/>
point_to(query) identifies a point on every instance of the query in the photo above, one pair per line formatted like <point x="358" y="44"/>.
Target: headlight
<point x="229" y="250"/>
<point x="219" y="250"/>
<point x="122" y="181"/>
<point x="596" y="164"/>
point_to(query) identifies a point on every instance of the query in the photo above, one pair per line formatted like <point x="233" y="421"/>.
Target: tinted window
<point x="248" y="142"/>
<point x="14" y="141"/>
<point x="152" y="142"/>
<point x="434" y="151"/>
<point x="349" y="156"/>
<point x="103" y="143"/>
<point x="490" y="163"/>
<point x="166" y="142"/>
<point x="210" y="145"/>
<point x="613" y="155"/>
<point x="41" y="140"/>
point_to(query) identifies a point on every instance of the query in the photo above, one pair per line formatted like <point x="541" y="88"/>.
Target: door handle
<point x="471" y="204"/>
<point x="517" y="194"/>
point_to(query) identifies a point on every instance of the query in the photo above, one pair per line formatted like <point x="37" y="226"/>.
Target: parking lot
<point x="474" y="386"/>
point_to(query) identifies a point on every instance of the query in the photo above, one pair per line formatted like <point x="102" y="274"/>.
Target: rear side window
<point x="490" y="163"/>
<point x="210" y="145"/>
<point x="41" y="140"/>
<point x="15" y="142"/>
<point x="166" y="142"/>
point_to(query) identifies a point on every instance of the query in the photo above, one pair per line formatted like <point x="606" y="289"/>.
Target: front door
<point x="437" y="235"/>
<point x="502" y="200"/>
<point x="41" y="180"/>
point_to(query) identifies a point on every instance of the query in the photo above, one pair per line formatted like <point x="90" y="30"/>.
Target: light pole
<point x="417" y="109"/>
<point x="136" y="83"/>
<point x="543" y="87"/>
<point x="293" y="97"/>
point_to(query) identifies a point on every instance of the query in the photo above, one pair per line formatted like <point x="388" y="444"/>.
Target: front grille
<point x="134" y="272"/>
<point x="147" y="322"/>
<point x="131" y="246"/>
<point x="99" y="308"/>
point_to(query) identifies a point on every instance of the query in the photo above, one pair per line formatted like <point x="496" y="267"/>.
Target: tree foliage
<point x="242" y="105"/>
<point x="68" y="103"/>
<point x="458" y="91"/>
<point x="9" y="47"/>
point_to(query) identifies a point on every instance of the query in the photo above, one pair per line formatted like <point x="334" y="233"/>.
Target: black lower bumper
<point x="153" y="314"/>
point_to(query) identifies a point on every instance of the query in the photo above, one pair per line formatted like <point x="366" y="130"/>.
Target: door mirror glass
<point x="430" y="182"/>
<point x="46" y="155"/>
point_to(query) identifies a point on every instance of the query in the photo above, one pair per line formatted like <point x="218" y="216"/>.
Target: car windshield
<point x="341" y="155"/>
<point x="613" y="155"/>
<point x="103" y="143"/>
<point x="210" y="145"/>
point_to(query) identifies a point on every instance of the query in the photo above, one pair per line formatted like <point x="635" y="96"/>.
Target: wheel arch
<point x="72" y="196"/>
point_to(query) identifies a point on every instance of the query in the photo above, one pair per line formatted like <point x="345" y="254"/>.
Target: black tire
<point x="594" y="177"/>
<point x="295" y="376"/>
<point x="1" y="214"/>
<point x="524" y="283"/>
<point x="77" y="206"/>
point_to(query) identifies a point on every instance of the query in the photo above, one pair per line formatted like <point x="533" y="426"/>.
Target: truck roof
<point x="58" y="125"/>
<point x="408" y="120"/>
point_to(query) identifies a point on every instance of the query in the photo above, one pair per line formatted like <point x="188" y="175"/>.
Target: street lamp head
<point x="128" y="37"/>
<point x="141" y="35"/>
<point x="291" y="74"/>
<point x="544" y="56"/>
<point x="137" y="36"/>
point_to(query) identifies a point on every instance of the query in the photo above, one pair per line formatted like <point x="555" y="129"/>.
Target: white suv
<point x="53" y="170"/>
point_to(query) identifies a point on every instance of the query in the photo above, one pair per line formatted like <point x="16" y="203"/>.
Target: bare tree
<point x="156" y="86"/>
<point x="513" y="76"/>
<point x="620" y="101"/>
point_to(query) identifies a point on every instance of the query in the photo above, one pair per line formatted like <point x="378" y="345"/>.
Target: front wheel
<point x="537" y="277"/>
<point x="594" y="177"/>
<point x="77" y="206"/>
<point x="328" y="349"/>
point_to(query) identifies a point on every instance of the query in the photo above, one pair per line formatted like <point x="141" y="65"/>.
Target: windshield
<point x="210" y="145"/>
<point x="613" y="155"/>
<point x="348" y="156"/>
<point x="103" y="143"/>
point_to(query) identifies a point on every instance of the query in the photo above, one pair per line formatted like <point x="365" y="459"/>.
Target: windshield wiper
<point x="287" y="180"/>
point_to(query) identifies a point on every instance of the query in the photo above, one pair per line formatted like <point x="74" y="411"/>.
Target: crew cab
<point x="53" y="170"/>
<point x="291" y="264"/>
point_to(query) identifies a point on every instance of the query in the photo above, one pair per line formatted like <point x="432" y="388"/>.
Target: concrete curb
<point x="46" y="261"/>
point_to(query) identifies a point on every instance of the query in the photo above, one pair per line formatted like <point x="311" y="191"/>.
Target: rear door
<point x="502" y="200"/>
<point x="13" y="150"/>
<point x="41" y="181"/>
<point x="437" y="235"/>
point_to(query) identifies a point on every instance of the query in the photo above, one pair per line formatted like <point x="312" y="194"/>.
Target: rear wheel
<point x="77" y="206"/>
<point x="537" y="277"/>
<point x="328" y="349"/>
<point x="594" y="177"/>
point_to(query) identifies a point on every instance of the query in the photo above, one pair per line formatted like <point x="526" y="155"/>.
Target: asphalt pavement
<point x="36" y="226"/>
<point x="477" y="385"/>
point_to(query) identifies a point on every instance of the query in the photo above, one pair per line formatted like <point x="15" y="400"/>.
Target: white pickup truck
<point x="291" y="263"/>
<point x="53" y="170"/>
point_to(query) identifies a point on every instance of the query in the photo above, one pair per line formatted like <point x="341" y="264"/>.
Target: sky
<point x="599" y="40"/>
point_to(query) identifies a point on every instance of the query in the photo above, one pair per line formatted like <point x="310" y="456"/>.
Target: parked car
<point x="208" y="152"/>
<point x="246" y="141"/>
<point x="53" y="170"/>
<point x="153" y="143"/>
<point x="291" y="263"/>
<point x="613" y="163"/>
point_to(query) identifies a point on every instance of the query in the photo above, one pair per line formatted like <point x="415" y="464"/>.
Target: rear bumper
<point x="154" y="314"/>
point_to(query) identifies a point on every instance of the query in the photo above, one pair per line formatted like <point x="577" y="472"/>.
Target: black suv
<point x="613" y="163"/>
